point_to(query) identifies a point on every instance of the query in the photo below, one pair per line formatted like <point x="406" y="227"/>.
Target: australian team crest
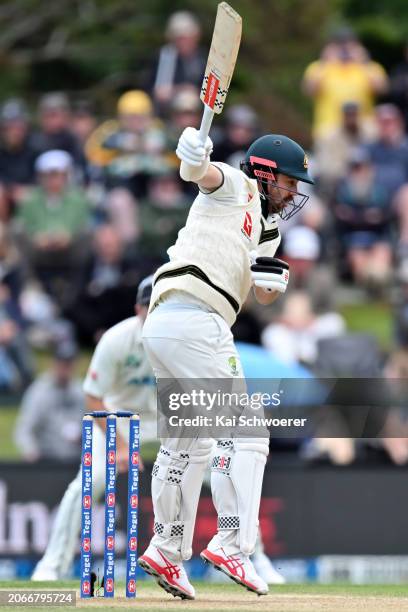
<point x="233" y="364"/>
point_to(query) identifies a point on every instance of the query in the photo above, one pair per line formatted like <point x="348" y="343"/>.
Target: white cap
<point x="53" y="161"/>
<point x="302" y="242"/>
<point x="182" y="23"/>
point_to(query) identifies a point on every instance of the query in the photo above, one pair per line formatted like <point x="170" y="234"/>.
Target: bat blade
<point x="222" y="57"/>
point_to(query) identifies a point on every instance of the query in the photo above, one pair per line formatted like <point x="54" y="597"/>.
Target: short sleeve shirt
<point x="119" y="372"/>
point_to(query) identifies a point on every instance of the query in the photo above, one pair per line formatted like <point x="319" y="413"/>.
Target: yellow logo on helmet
<point x="305" y="162"/>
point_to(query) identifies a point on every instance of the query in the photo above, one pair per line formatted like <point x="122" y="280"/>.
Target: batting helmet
<point x="277" y="154"/>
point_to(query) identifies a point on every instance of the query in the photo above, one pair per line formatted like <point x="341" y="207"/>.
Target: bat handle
<point x="206" y="122"/>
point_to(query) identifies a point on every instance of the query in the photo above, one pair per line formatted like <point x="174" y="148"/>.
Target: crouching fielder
<point x="226" y="247"/>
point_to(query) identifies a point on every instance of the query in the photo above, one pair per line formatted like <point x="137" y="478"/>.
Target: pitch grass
<point x="231" y="598"/>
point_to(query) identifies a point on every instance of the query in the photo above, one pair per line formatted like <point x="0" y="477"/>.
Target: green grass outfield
<point x="231" y="598"/>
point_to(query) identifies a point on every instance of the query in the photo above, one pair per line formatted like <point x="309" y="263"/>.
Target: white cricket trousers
<point x="189" y="341"/>
<point x="185" y="341"/>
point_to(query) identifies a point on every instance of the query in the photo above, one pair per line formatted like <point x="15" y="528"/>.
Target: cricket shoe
<point x="170" y="575"/>
<point x="236" y="565"/>
<point x="266" y="570"/>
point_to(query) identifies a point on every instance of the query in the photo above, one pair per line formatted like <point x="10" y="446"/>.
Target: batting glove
<point x="270" y="273"/>
<point x="191" y="150"/>
<point x="194" y="155"/>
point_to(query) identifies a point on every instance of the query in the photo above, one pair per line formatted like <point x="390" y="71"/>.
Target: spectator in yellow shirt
<point x="344" y="73"/>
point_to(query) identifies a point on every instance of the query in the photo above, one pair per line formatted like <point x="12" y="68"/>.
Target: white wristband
<point x="194" y="173"/>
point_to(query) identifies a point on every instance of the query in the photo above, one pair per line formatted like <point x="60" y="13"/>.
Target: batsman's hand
<point x="191" y="150"/>
<point x="270" y="273"/>
<point x="194" y="155"/>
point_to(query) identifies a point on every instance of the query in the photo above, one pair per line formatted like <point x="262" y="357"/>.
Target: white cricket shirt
<point x="210" y="258"/>
<point x="119" y="372"/>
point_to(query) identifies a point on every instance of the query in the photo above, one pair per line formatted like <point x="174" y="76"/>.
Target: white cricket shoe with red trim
<point x="169" y="574"/>
<point x="236" y="565"/>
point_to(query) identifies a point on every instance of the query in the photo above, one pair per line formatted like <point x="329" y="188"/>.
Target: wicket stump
<point x="110" y="502"/>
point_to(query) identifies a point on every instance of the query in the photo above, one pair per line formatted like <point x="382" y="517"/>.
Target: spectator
<point x="301" y="250"/>
<point x="332" y="152"/>
<point x="294" y="337"/>
<point x="105" y="288"/>
<point x="399" y="86"/>
<point x="162" y="215"/>
<point x="364" y="214"/>
<point x="15" y="358"/>
<point x="83" y="123"/>
<point x="240" y="131"/>
<point x="344" y="73"/>
<point x="83" y="120"/>
<point x="121" y="209"/>
<point x="180" y="61"/>
<point x="389" y="154"/>
<point x="389" y="151"/>
<point x="52" y="220"/>
<point x="16" y="151"/>
<point x="130" y="147"/>
<point x="345" y="356"/>
<point x="55" y="130"/>
<point x="185" y="111"/>
<point x="49" y="423"/>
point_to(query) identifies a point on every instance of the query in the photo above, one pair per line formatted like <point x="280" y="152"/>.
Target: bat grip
<point x="206" y="122"/>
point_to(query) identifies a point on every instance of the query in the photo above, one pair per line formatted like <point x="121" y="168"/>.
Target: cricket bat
<point x="220" y="64"/>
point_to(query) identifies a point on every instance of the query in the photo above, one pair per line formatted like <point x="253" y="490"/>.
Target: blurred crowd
<point x="90" y="204"/>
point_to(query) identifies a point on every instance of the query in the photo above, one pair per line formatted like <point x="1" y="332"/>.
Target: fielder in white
<point x="119" y="378"/>
<point x="226" y="247"/>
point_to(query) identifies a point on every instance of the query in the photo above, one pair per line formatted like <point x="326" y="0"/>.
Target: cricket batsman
<point x="119" y="378"/>
<point x="226" y="248"/>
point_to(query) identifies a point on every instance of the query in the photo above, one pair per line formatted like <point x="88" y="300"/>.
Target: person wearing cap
<point x="54" y="132"/>
<point x="301" y="251"/>
<point x="181" y="61"/>
<point x="17" y="153"/>
<point x="130" y="146"/>
<point x="49" y="422"/>
<point x="53" y="218"/>
<point x="119" y="378"/>
<point x="344" y="73"/>
<point x="185" y="109"/>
